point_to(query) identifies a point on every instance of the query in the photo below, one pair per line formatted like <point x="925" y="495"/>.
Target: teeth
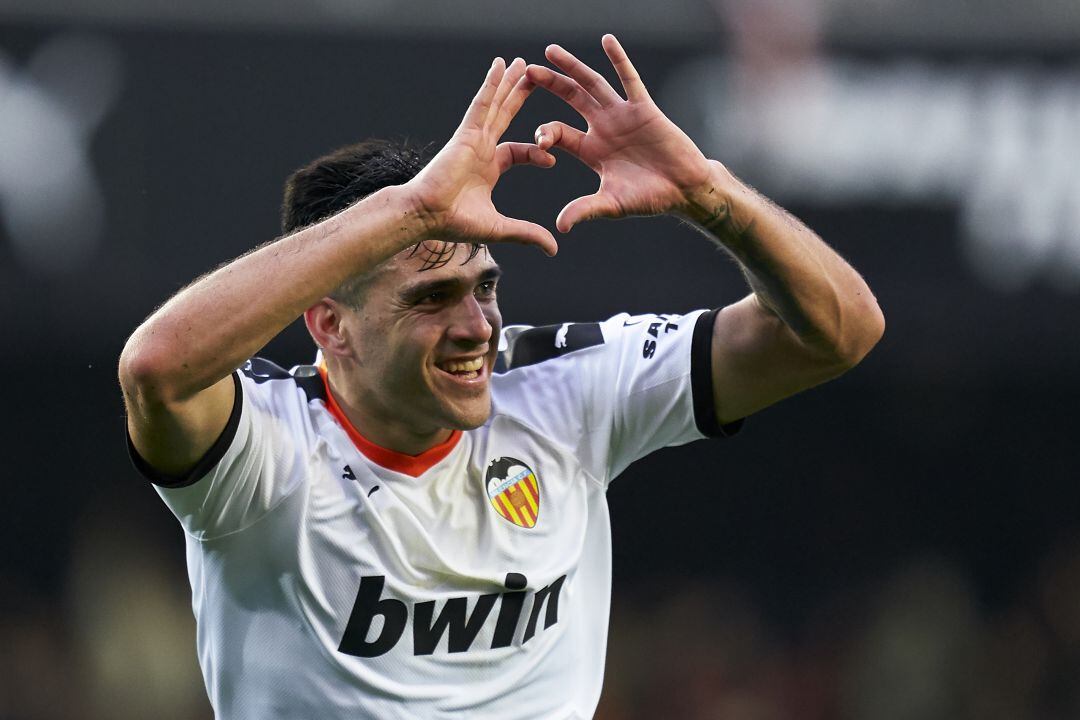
<point x="473" y="365"/>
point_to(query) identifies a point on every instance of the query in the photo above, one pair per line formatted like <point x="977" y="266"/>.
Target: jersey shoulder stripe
<point x="306" y="377"/>
<point x="531" y="345"/>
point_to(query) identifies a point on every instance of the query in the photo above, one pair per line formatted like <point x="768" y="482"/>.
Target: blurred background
<point x="903" y="543"/>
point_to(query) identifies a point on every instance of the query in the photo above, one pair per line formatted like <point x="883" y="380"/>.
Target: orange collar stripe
<point x="411" y="465"/>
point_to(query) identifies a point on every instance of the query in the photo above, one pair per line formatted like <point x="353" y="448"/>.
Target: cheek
<point x="494" y="318"/>
<point x="398" y="372"/>
<point x="408" y="354"/>
<point x="385" y="358"/>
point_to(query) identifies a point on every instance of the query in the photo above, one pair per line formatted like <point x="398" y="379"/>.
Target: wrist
<point x="407" y="220"/>
<point x="711" y="204"/>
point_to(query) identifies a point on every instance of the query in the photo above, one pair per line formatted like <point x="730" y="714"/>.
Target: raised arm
<point x="810" y="316"/>
<point x="175" y="368"/>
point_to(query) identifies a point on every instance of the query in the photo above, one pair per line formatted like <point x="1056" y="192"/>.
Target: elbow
<point x="135" y="371"/>
<point x="143" y="373"/>
<point x="863" y="329"/>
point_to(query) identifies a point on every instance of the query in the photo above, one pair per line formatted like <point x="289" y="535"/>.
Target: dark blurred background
<point x="902" y="543"/>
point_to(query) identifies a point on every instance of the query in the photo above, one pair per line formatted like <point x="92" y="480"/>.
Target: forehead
<point x="434" y="261"/>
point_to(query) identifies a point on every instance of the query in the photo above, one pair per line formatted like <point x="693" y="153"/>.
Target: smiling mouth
<point x="463" y="369"/>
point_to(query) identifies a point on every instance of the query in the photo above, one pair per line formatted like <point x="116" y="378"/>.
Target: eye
<point x="433" y="298"/>
<point x="486" y="289"/>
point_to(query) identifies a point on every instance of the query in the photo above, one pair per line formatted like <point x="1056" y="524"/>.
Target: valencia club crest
<point x="514" y="491"/>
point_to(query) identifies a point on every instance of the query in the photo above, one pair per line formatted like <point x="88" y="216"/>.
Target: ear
<point x="324" y="322"/>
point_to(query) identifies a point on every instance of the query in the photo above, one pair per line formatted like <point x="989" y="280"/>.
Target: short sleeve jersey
<point x="334" y="579"/>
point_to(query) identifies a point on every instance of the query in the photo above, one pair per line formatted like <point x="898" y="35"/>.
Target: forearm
<point x="208" y="329"/>
<point x="793" y="273"/>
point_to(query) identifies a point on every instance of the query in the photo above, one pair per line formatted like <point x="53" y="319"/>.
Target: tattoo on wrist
<point x="720" y="224"/>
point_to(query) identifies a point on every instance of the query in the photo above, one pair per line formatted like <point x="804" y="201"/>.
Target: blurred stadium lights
<point x="923" y="23"/>
<point x="1000" y="141"/>
<point x="680" y="21"/>
<point x="51" y="202"/>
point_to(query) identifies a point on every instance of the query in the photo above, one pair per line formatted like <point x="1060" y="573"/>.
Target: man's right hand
<point x="452" y="195"/>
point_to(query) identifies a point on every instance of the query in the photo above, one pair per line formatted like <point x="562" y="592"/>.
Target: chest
<point x="505" y="502"/>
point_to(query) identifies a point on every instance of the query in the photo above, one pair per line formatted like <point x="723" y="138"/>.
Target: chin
<point x="469" y="416"/>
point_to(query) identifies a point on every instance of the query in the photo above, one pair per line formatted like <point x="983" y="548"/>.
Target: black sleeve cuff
<point x="701" y="380"/>
<point x="207" y="462"/>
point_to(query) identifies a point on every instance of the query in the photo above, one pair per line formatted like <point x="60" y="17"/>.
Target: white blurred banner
<point x="51" y="202"/>
<point x="999" y="141"/>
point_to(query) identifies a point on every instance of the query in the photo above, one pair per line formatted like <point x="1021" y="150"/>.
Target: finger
<point x="521" y="231"/>
<point x="481" y="102"/>
<point x="593" y="82"/>
<point x="509" y="154"/>
<point x="559" y="134"/>
<point x="510" y="107"/>
<point x="562" y="86"/>
<point x="588" y="207"/>
<point x="513" y="73"/>
<point x="628" y="76"/>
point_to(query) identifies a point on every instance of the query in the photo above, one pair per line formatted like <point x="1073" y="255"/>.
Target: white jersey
<point x="335" y="579"/>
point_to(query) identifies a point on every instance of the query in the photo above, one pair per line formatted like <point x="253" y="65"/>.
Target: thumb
<point x="527" y="233"/>
<point x="587" y="207"/>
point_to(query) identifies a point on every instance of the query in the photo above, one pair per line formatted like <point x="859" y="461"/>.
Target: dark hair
<point x="333" y="182"/>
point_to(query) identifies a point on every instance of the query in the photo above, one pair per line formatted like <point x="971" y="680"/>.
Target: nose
<point x="470" y="325"/>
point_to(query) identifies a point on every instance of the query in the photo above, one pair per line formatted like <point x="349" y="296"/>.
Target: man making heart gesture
<point x="416" y="524"/>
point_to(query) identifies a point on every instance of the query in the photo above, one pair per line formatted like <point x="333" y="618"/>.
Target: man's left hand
<point x="646" y="164"/>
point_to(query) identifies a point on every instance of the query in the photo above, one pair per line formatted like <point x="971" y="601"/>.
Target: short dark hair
<point x="331" y="183"/>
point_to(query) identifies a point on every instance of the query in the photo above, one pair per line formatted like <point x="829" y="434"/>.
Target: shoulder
<point x="546" y="376"/>
<point x="585" y="369"/>
<point x="303" y="378"/>
<point x="541" y="376"/>
<point x="522" y="346"/>
<point x="293" y="397"/>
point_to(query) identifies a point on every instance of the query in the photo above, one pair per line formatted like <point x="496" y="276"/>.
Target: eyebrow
<point x="422" y="288"/>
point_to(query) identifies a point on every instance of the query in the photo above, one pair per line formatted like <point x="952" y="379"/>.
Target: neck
<point x="381" y="427"/>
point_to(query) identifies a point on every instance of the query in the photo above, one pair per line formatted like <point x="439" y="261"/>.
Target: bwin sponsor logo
<point x="453" y="620"/>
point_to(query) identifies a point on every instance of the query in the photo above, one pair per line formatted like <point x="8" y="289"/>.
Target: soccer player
<point x="416" y="525"/>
